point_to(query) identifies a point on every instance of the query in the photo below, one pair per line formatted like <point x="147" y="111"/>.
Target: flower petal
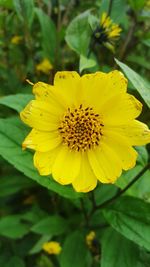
<point x="42" y="141"/>
<point x="41" y="115"/>
<point x="121" y="109"/>
<point x="122" y="148"/>
<point x="44" y="161"/>
<point x="48" y="93"/>
<point x="86" y="180"/>
<point x="67" y="84"/>
<point x="66" y="166"/>
<point x="105" y="164"/>
<point x="136" y="132"/>
<point x="99" y="87"/>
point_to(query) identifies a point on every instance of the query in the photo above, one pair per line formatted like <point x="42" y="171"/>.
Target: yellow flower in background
<point x="16" y="39"/>
<point x="107" y="32"/>
<point x="111" y="29"/>
<point x="84" y="128"/>
<point x="52" y="247"/>
<point x="44" y="66"/>
<point x="147" y="5"/>
<point x="90" y="238"/>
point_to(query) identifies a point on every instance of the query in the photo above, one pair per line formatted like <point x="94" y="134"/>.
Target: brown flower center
<point x="81" y="128"/>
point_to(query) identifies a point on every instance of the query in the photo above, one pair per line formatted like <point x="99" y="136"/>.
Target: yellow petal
<point x="136" y="132"/>
<point x="86" y="180"/>
<point x="48" y="93"/>
<point x="99" y="87"/>
<point x="103" y="17"/>
<point x="68" y="84"/>
<point x="44" y="161"/>
<point x="42" y="141"/>
<point x="66" y="166"/>
<point x="122" y="148"/>
<point x="41" y="115"/>
<point x="105" y="164"/>
<point x="105" y="20"/>
<point x="121" y="109"/>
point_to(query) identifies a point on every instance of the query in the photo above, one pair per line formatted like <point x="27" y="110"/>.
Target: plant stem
<point x="84" y="212"/>
<point x="93" y="199"/>
<point x="57" y="48"/>
<point x="110" y="7"/>
<point x="128" y="40"/>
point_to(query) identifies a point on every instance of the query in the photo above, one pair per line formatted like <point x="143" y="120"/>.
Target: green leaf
<point x="52" y="225"/>
<point x="74" y="251"/>
<point x="137" y="4"/>
<point x="25" y="10"/>
<point x="12" y="134"/>
<point x="44" y="261"/>
<point x="142" y="155"/>
<point x="11" y="226"/>
<point x="104" y="192"/>
<point x="16" y="102"/>
<point x="115" y="256"/>
<point x="141" y="188"/>
<point x="16" y="262"/>
<point x="131" y="217"/>
<point x="6" y="4"/>
<point x="116" y="12"/>
<point x="93" y="21"/>
<point x="86" y="63"/>
<point x="12" y="184"/>
<point x="34" y="215"/>
<point x="139" y="60"/>
<point x="78" y="34"/>
<point x="38" y="246"/>
<point x="146" y="42"/>
<point x="48" y="33"/>
<point x="142" y="86"/>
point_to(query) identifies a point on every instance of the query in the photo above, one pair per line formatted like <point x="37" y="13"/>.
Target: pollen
<point x="81" y="128"/>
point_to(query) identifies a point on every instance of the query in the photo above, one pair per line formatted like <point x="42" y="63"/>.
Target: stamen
<point x="81" y="128"/>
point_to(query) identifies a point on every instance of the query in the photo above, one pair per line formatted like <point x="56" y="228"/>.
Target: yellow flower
<point x="89" y="238"/>
<point x="44" y="66"/>
<point x="107" y="32"/>
<point x="147" y="5"/>
<point x="16" y="39"/>
<point x="84" y="128"/>
<point x="52" y="247"/>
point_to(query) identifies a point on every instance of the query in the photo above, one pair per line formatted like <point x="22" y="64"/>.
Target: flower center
<point x="81" y="128"/>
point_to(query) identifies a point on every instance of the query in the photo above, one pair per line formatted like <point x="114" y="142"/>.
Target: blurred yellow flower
<point x="147" y="5"/>
<point x="52" y="247"/>
<point x="44" y="66"/>
<point x="107" y="32"/>
<point x="16" y="39"/>
<point x="84" y="128"/>
<point x="89" y="238"/>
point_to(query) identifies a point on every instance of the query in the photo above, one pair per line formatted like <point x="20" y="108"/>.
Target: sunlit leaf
<point x="142" y="86"/>
<point x="74" y="251"/>
<point x="113" y="256"/>
<point x="78" y="34"/>
<point x="130" y="217"/>
<point x="48" y="31"/>
<point x="16" y="102"/>
<point x="12" y="133"/>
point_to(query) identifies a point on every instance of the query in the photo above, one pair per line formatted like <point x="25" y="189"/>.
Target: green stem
<point x="84" y="212"/>
<point x="110" y="7"/>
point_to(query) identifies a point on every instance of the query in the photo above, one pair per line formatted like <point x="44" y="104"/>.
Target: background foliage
<point x="35" y="209"/>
